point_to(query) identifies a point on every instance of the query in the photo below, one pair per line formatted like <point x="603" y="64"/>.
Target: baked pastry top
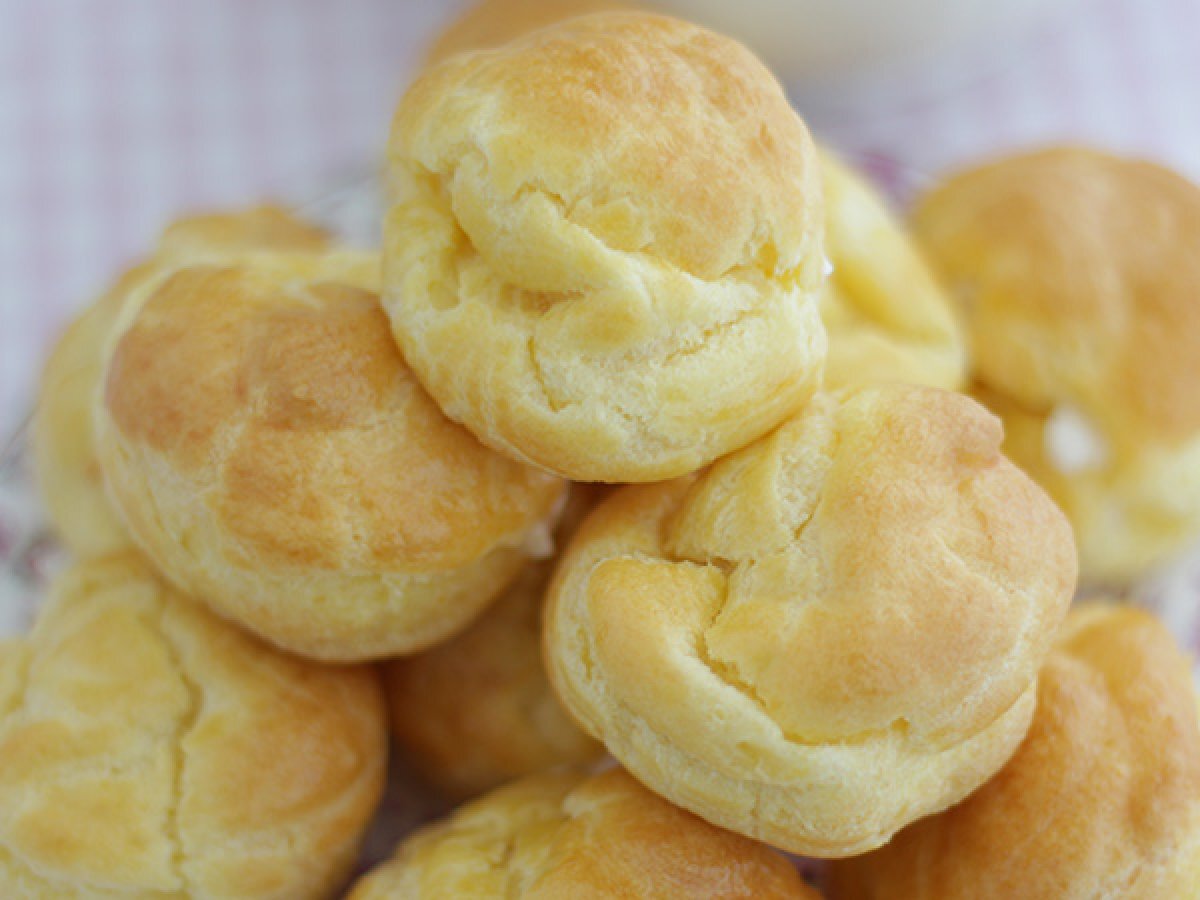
<point x="603" y="253"/>
<point x="150" y="749"/>
<point x="1101" y="800"/>
<point x="887" y="317"/>
<point x="570" y="835"/>
<point x="63" y="444"/>
<point x="1077" y="274"/>
<point x="273" y="455"/>
<point x="826" y="635"/>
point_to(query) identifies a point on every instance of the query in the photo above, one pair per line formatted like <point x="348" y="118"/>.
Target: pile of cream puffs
<point x="642" y="492"/>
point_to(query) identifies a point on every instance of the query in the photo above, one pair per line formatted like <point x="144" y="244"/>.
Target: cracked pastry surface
<point x="270" y="451"/>
<point x="826" y="635"/>
<point x="1077" y="273"/>
<point x="63" y="442"/>
<point x="887" y="317"/>
<point x="571" y="835"/>
<point x="150" y="749"/>
<point x="603" y="252"/>
<point x="1102" y="800"/>
<point x="477" y="710"/>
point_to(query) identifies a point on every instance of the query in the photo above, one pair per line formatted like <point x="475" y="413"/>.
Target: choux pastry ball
<point x="1077" y="273"/>
<point x="603" y="253"/>
<point x="269" y="450"/>
<point x="63" y="444"/>
<point x="150" y="749"/>
<point x="825" y="636"/>
<point x="1101" y="800"/>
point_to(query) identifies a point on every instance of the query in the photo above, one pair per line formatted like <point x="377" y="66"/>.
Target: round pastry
<point x="569" y="835"/>
<point x="1101" y="800"/>
<point x="63" y="445"/>
<point x="149" y="749"/>
<point x="477" y="710"/>
<point x="603" y="253"/>
<point x="887" y="317"/>
<point x="491" y="23"/>
<point x="828" y="634"/>
<point x="270" y="451"/>
<point x="1078" y="274"/>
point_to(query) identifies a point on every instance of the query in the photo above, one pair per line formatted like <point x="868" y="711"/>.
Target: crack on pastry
<point x="183" y="728"/>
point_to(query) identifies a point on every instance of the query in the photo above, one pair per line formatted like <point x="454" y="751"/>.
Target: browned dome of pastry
<point x="273" y="454"/>
<point x="1079" y="274"/>
<point x="823" y="636"/>
<point x="63" y="441"/>
<point x="1101" y="800"/>
<point x="151" y="749"/>
<point x="604" y="246"/>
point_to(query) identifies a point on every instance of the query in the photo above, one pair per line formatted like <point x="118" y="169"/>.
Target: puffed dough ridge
<point x="826" y="635"/>
<point x="603" y="253"/>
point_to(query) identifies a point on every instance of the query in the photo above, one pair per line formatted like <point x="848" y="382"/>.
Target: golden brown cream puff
<point x="63" y="444"/>
<point x="270" y="451"/>
<point x="1078" y="276"/>
<point x="603" y="252"/>
<point x="150" y="749"/>
<point x="829" y="634"/>
<point x="1101" y="800"/>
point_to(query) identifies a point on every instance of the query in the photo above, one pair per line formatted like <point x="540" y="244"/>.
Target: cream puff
<point x="150" y="749"/>
<point x="268" y="448"/>
<point x="63" y="445"/>
<point x="829" y="634"/>
<point x="569" y="835"/>
<point x="603" y="252"/>
<point x="1078" y="275"/>
<point x="1101" y="800"/>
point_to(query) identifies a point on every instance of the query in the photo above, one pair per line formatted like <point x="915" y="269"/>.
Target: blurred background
<point x="117" y="115"/>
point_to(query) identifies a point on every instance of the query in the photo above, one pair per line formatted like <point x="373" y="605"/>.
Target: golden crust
<point x="148" y="748"/>
<point x="491" y="23"/>
<point x="604" y="248"/>
<point x="826" y="635"/>
<point x="273" y="455"/>
<point x="887" y="317"/>
<point x="63" y="443"/>
<point x="567" y="835"/>
<point x="1101" y="801"/>
<point x="477" y="710"/>
<point x="1078" y="274"/>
